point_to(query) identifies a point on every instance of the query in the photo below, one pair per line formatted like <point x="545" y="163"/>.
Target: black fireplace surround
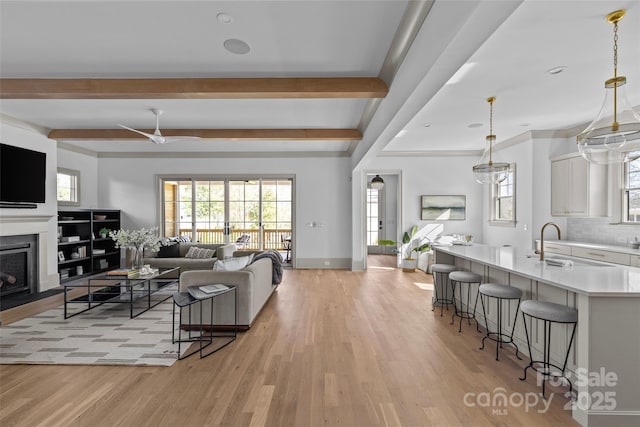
<point x="18" y="265"/>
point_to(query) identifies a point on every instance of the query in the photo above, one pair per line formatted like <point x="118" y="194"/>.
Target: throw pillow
<point x="232" y="264"/>
<point x="199" y="253"/>
<point x="170" y="251"/>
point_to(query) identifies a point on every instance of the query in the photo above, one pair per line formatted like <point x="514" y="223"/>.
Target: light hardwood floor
<point x="329" y="348"/>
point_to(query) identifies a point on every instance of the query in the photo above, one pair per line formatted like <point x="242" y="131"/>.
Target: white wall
<point x="421" y="176"/>
<point x="13" y="134"/>
<point x="322" y="194"/>
<point x="88" y="167"/>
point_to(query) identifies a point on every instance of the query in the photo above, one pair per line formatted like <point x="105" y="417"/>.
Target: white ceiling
<point x="99" y="39"/>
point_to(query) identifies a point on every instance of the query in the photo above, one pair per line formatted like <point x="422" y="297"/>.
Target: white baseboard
<point x="320" y="263"/>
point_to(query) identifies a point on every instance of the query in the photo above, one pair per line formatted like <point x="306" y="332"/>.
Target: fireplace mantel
<point x="14" y="225"/>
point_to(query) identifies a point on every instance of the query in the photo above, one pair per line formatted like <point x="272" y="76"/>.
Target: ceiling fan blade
<point x="180" y="138"/>
<point x="148" y="135"/>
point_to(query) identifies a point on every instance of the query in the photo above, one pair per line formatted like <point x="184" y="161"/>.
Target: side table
<point x="204" y="333"/>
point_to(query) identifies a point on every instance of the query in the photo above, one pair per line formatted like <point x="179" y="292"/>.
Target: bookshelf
<point x="81" y="249"/>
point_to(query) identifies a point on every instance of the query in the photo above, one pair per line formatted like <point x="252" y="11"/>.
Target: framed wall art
<point x="443" y="208"/>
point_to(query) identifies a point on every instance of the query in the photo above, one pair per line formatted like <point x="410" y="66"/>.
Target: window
<point x="372" y="216"/>
<point x="503" y="200"/>
<point x="68" y="187"/>
<point x="631" y="196"/>
<point x="223" y="210"/>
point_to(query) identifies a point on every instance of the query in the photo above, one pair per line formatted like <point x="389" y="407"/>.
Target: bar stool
<point x="458" y="279"/>
<point x="549" y="313"/>
<point x="500" y="293"/>
<point x="440" y="274"/>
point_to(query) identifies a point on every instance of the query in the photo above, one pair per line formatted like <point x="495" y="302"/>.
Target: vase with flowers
<point x="137" y="241"/>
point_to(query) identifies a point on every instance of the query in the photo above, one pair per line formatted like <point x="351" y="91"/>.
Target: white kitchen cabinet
<point x="578" y="188"/>
<point x="556" y="249"/>
<point x="601" y="255"/>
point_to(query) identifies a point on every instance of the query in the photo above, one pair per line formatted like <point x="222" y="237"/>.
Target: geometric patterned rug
<point x="104" y="335"/>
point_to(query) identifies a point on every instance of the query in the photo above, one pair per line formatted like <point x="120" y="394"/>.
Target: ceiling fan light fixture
<point x="156" y="137"/>
<point x="614" y="135"/>
<point x="377" y="183"/>
<point x="487" y="171"/>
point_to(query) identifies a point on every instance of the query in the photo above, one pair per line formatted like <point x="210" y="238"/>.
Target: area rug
<point x="104" y="335"/>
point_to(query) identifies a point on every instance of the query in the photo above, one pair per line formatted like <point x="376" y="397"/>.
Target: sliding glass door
<point x="254" y="213"/>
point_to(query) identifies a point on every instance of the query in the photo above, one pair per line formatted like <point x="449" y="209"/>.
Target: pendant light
<point x="377" y="183"/>
<point x="486" y="170"/>
<point x="614" y="135"/>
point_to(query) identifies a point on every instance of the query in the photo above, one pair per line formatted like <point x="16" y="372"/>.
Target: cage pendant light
<point x="614" y="135"/>
<point x="486" y="170"/>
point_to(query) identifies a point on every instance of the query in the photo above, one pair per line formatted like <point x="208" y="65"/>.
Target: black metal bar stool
<point x="499" y="293"/>
<point x="440" y="274"/>
<point x="549" y="313"/>
<point x="458" y="280"/>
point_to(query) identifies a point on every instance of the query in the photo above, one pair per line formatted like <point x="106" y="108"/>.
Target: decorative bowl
<point x="99" y="217"/>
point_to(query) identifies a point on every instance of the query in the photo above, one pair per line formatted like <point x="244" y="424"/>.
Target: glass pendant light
<point x="377" y="183"/>
<point x="486" y="170"/>
<point x="614" y="135"/>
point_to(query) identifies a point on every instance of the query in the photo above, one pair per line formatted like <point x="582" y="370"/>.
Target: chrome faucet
<point x="541" y="251"/>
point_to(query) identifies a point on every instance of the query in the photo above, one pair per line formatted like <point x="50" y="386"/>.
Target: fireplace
<point x="18" y="265"/>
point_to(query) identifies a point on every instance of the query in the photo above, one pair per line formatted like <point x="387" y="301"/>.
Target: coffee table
<point x="140" y="292"/>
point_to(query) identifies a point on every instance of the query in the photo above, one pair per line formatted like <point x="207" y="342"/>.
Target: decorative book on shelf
<point x="206" y="291"/>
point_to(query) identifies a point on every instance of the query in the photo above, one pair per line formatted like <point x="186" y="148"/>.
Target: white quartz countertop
<point x="584" y="277"/>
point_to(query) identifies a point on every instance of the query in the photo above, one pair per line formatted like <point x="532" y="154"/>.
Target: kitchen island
<point x="604" y="362"/>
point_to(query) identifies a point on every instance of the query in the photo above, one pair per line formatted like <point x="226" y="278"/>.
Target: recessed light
<point x="401" y="133"/>
<point x="427" y="125"/>
<point x="524" y="125"/>
<point x="236" y="46"/>
<point x="474" y="125"/>
<point x="224" y="18"/>
<point x="556" y="70"/>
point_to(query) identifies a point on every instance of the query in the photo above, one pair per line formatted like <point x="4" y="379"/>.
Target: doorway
<point x="254" y="213"/>
<point x="382" y="213"/>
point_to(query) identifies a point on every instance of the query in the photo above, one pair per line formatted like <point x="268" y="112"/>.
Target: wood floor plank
<point x="331" y="347"/>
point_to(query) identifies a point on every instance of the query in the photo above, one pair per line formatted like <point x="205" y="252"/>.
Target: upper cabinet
<point x="578" y="187"/>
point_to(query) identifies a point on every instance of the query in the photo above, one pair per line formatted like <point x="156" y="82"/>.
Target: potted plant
<point x="408" y="261"/>
<point x="103" y="232"/>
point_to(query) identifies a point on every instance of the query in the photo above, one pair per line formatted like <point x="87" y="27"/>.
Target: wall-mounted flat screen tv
<point x="22" y="175"/>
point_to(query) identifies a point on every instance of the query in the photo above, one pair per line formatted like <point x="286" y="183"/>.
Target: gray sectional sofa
<point x="174" y="256"/>
<point x="254" y="283"/>
<point x="253" y="286"/>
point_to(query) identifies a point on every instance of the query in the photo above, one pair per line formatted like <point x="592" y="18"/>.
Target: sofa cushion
<point x="184" y="247"/>
<point x="232" y="264"/>
<point x="199" y="253"/>
<point x="226" y="251"/>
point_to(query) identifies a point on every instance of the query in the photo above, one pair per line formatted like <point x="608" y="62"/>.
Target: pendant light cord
<point x="615" y="76"/>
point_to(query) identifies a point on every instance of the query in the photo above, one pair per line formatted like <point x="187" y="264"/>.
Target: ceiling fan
<point x="157" y="137"/>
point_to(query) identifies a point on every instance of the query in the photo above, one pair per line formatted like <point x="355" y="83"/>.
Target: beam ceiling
<point x="214" y="134"/>
<point x="198" y="88"/>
